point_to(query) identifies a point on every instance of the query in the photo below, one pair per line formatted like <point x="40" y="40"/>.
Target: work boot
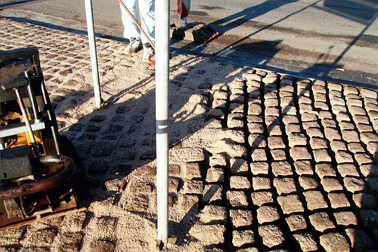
<point x="134" y="46"/>
<point x="148" y="52"/>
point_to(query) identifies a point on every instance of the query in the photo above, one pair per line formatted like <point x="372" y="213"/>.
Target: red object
<point x="181" y="9"/>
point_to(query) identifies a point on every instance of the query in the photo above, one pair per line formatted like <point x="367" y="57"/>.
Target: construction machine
<point x="34" y="172"/>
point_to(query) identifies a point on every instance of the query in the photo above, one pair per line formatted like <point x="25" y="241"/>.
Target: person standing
<point x="146" y="10"/>
<point x="183" y="8"/>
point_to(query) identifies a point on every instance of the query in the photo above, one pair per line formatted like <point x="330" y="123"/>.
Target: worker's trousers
<point x="146" y="19"/>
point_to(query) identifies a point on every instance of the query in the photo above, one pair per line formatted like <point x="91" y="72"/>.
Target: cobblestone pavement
<point x="259" y="160"/>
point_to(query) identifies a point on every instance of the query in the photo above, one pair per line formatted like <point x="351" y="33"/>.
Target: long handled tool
<point x="137" y="24"/>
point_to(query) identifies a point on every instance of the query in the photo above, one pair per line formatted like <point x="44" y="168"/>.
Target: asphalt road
<point x="330" y="39"/>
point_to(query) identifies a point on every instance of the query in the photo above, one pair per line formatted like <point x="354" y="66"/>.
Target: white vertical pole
<point x="162" y="79"/>
<point x="93" y="52"/>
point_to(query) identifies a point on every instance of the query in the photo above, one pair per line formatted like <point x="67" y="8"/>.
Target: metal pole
<point x="93" y="53"/>
<point x="162" y="79"/>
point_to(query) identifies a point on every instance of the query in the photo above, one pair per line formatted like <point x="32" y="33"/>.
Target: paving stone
<point x="369" y="218"/>
<point x="254" y="118"/>
<point x="274" y="130"/>
<point x="193" y="187"/>
<point x="310" y="124"/>
<point x="354" y="185"/>
<point x="271" y="102"/>
<point x="255" y="128"/>
<point x="343" y="157"/>
<point x="303" y="167"/>
<point x="271" y="235"/>
<point x="320" y="97"/>
<point x="216" y="113"/>
<point x="236" y="104"/>
<point x="281" y="168"/>
<point x="219" y="104"/>
<point x="364" y="200"/>
<point x="284" y="185"/>
<point x="221" y="95"/>
<point x="337" y="101"/>
<point x="218" y="160"/>
<point x="260" y="198"/>
<point x="287" y="119"/>
<point x="290" y="204"/>
<point x="272" y="111"/>
<point x="102" y="246"/>
<point x="140" y="186"/>
<point x="237" y="199"/>
<point x="276" y="142"/>
<point x="235" y="121"/>
<point x="339" y="109"/>
<point x="267" y="214"/>
<point x="369" y="170"/>
<point x="238" y="166"/>
<point x="173" y="184"/>
<point x="368" y="93"/>
<point x="243" y="237"/>
<point x="331" y="184"/>
<point x="374" y="235"/>
<point x="369" y="137"/>
<point x="321" y="155"/>
<point x="321" y="221"/>
<point x="289" y="110"/>
<point x="257" y="141"/>
<point x="309" y="117"/>
<point x="297" y="139"/>
<point x="212" y="214"/>
<point x="190" y="203"/>
<point x="74" y="222"/>
<point x="345" y="218"/>
<point x="354" y="110"/>
<point x="321" y="105"/>
<point x="350" y="136"/>
<point x="296" y="222"/>
<point x="307" y="182"/>
<point x="315" y="200"/>
<point x="338" y="200"/>
<point x="208" y="234"/>
<point x="304" y="100"/>
<point x="292" y="127"/>
<point x="303" y="108"/>
<point x="69" y="241"/>
<point x="278" y="155"/>
<point x="241" y="218"/>
<point x="315" y="132"/>
<point x="300" y="153"/>
<point x="337" y="145"/>
<point x="319" y="89"/>
<point x="306" y="242"/>
<point x="355" y="147"/>
<point x="239" y="182"/>
<point x="343" y="117"/>
<point x="41" y="237"/>
<point x="332" y="134"/>
<point x="362" y="159"/>
<point x="359" y="239"/>
<point x="372" y="183"/>
<point x="259" y="155"/>
<point x="334" y="241"/>
<point x="253" y="92"/>
<point x="215" y="175"/>
<point x="325" y="170"/>
<point x="212" y="193"/>
<point x="329" y="123"/>
<point x="346" y="126"/>
<point x="261" y="183"/>
<point x="254" y="108"/>
<point x="361" y="119"/>
<point x="233" y="149"/>
<point x="192" y="170"/>
<point x="372" y="148"/>
<point x="318" y="143"/>
<point x="259" y="168"/>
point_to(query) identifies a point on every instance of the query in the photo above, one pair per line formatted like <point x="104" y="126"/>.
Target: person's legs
<point x="147" y="16"/>
<point x="131" y="31"/>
